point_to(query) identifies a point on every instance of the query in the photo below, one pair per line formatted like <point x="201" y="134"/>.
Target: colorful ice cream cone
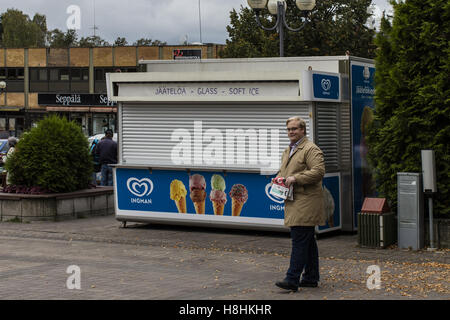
<point x="178" y="194"/>
<point x="198" y="197"/>
<point x="218" y="207"/>
<point x="217" y="196"/>
<point x="239" y="196"/>
<point x="181" y="205"/>
<point x="236" y="207"/>
<point x="200" y="207"/>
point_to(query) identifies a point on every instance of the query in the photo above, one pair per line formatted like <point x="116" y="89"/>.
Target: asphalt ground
<point x="162" y="262"/>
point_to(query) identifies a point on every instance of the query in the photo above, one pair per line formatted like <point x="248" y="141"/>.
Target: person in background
<point x="95" y="157"/>
<point x="12" y="141"/>
<point x="107" y="154"/>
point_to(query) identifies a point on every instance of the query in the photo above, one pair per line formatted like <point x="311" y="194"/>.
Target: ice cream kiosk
<point x="199" y="141"/>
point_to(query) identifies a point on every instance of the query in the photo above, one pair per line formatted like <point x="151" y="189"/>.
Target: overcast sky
<point x="166" y="20"/>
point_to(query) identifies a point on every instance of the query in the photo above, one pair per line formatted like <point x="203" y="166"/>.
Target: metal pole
<point x="200" y="20"/>
<point x="281" y="26"/>
<point x="430" y="212"/>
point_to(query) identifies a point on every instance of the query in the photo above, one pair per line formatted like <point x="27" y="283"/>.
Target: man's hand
<point x="289" y="181"/>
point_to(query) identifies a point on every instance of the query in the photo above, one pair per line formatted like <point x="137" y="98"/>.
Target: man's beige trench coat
<point x="308" y="167"/>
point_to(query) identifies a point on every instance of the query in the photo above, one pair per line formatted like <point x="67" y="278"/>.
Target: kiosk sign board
<point x="325" y="86"/>
<point x="143" y="192"/>
<point x="213" y="89"/>
<point x="321" y="86"/>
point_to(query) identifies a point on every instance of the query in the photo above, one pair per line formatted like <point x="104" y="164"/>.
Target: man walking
<point x="303" y="166"/>
<point x="107" y="153"/>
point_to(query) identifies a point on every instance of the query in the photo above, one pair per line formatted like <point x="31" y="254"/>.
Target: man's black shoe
<point x="307" y="284"/>
<point x="287" y="285"/>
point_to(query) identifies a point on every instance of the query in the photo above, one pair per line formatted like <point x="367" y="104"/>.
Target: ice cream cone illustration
<point x="217" y="196"/>
<point x="178" y="194"/>
<point x="197" y="186"/>
<point x="236" y="207"/>
<point x="218" y="199"/>
<point x="239" y="196"/>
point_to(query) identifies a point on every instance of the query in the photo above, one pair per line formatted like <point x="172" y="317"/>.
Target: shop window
<point x="85" y="74"/>
<point x="20" y="74"/>
<point x="2" y="73"/>
<point x="18" y="126"/>
<point x="59" y="80"/>
<point x="38" y="79"/>
<point x="38" y="74"/>
<point x="100" y="79"/>
<point x="79" y="74"/>
<point x="2" y="124"/>
<point x="14" y="77"/>
<point x="101" y="122"/>
<point x="12" y="74"/>
<point x="64" y="75"/>
<point x="54" y="74"/>
<point x="34" y="75"/>
<point x="76" y="74"/>
<point x="79" y="80"/>
<point x="99" y="75"/>
<point x="43" y="74"/>
<point x="15" y="73"/>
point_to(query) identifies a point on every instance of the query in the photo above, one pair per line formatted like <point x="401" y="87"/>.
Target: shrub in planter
<point x="53" y="156"/>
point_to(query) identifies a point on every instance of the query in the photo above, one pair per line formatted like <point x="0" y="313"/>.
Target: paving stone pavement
<point x="146" y="261"/>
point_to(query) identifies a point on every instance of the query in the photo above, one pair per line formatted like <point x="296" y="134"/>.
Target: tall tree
<point x="334" y="27"/>
<point x="40" y="21"/>
<point x="19" y="31"/>
<point x="93" y="41"/>
<point x="59" y="39"/>
<point x="1" y="32"/>
<point x="247" y="39"/>
<point x="412" y="90"/>
<point x="148" y="42"/>
<point x="120" y="42"/>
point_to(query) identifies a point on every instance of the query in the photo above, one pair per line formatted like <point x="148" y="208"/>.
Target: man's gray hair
<point x="12" y="141"/>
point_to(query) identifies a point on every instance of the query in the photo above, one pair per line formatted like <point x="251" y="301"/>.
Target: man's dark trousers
<point x="304" y="255"/>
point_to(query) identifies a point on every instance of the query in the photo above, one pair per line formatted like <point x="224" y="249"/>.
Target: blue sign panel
<point x="325" y="86"/>
<point x="209" y="193"/>
<point x="144" y="191"/>
<point x="363" y="92"/>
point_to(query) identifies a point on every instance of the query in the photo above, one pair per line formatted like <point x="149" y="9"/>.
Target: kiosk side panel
<point x="362" y="104"/>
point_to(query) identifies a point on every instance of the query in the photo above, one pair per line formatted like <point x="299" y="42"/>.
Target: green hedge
<point x="54" y="156"/>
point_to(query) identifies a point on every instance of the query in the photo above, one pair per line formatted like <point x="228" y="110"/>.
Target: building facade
<point x="71" y="82"/>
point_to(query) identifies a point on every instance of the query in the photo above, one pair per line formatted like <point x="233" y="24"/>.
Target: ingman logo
<point x="140" y="188"/>
<point x="326" y="84"/>
<point x="272" y="197"/>
<point x="280" y="202"/>
<point x="366" y="73"/>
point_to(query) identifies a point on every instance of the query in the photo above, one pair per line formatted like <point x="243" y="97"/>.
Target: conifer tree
<point x="412" y="90"/>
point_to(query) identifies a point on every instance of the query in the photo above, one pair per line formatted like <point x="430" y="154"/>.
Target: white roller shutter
<point x="152" y="133"/>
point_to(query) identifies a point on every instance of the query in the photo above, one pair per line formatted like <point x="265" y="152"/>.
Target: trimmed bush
<point x="53" y="156"/>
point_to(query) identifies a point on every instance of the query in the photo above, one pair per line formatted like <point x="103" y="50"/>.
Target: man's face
<point x="294" y="131"/>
